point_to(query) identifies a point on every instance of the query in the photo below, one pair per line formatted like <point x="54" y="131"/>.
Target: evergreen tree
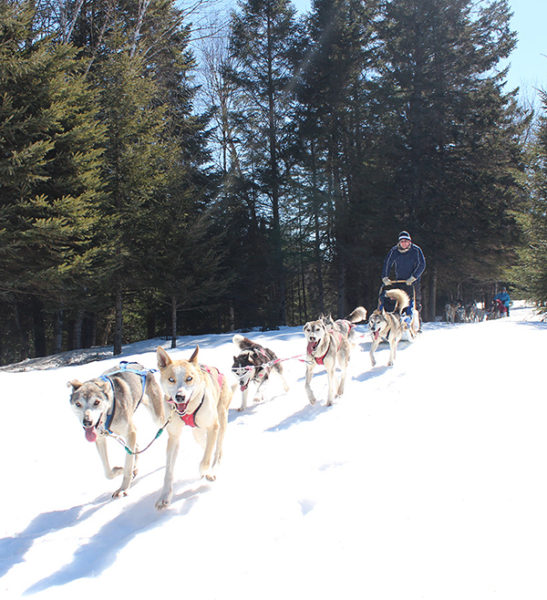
<point x="531" y="272"/>
<point x="134" y="169"/>
<point x="451" y="135"/>
<point x="139" y="58"/>
<point x="260" y="41"/>
<point x="183" y="249"/>
<point x="49" y="167"/>
<point x="336" y="121"/>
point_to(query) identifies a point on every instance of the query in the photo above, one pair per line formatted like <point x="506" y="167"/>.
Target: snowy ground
<point x="425" y="481"/>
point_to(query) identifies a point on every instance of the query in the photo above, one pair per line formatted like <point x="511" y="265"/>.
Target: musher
<point x="408" y="261"/>
<point x="504" y="298"/>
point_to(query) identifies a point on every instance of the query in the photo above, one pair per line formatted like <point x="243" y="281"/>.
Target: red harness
<point x="190" y="418"/>
<point x="319" y="359"/>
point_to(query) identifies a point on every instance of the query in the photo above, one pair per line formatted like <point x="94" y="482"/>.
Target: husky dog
<point x="329" y="343"/>
<point x="450" y="312"/>
<point x="388" y="326"/>
<point x="107" y="404"/>
<point x="254" y="364"/>
<point x="200" y="396"/>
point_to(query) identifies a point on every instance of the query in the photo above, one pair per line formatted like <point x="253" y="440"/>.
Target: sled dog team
<point x="192" y="394"/>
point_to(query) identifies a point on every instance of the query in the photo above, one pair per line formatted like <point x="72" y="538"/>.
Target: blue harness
<point x="124" y="368"/>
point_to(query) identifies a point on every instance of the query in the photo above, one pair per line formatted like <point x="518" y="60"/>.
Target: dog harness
<point x="124" y="368"/>
<point x="190" y="418"/>
<point x="320" y="359"/>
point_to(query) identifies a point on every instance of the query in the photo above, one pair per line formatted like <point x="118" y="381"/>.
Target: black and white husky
<point x="253" y="364"/>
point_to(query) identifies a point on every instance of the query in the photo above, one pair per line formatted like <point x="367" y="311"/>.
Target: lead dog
<point x="199" y="397"/>
<point x="107" y="404"/>
<point x="388" y="326"/>
<point x="254" y="364"/>
<point x="329" y="343"/>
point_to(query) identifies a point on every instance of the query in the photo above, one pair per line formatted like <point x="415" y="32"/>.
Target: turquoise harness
<point x="124" y="368"/>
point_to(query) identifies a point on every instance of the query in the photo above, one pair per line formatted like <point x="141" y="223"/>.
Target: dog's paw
<point x="210" y="477"/>
<point x="121" y="493"/>
<point x="163" y="503"/>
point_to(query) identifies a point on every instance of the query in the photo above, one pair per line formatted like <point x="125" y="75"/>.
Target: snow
<point x="426" y="480"/>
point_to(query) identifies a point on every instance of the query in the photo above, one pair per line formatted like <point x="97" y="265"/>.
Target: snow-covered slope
<point x="426" y="480"/>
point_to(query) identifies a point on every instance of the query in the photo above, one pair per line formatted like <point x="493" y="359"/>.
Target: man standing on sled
<point x="408" y="261"/>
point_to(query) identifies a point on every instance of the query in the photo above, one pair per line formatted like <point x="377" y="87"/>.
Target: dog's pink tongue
<point x="90" y="434"/>
<point x="311" y="347"/>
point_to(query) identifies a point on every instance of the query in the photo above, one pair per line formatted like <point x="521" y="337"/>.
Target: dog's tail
<point x="357" y="315"/>
<point x="237" y="339"/>
<point x="401" y="299"/>
<point x="241" y="342"/>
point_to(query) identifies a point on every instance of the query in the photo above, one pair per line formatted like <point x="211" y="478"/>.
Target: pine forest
<point x="180" y="167"/>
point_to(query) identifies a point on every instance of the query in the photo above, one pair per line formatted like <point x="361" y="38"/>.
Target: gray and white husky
<point x="105" y="405"/>
<point x="388" y="326"/>
<point x="329" y="343"/>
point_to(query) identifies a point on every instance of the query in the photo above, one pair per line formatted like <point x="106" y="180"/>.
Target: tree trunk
<point x="118" y="321"/>
<point x="317" y="231"/>
<point x="59" y="318"/>
<point x="433" y="295"/>
<point x="38" y="328"/>
<point x="274" y="174"/>
<point x="340" y="242"/>
<point x="173" y="321"/>
<point x="232" y="315"/>
<point x="77" y="330"/>
<point x="22" y="333"/>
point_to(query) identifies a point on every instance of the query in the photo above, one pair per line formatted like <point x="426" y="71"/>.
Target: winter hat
<point x="404" y="235"/>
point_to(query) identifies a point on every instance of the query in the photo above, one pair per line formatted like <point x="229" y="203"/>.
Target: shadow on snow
<point x="98" y="553"/>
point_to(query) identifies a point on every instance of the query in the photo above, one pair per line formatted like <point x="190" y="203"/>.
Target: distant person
<point x="504" y="298"/>
<point x="408" y="262"/>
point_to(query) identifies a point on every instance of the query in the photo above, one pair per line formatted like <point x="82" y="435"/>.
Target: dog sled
<point x="410" y="329"/>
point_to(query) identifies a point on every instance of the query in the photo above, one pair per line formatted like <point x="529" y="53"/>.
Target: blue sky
<point x="528" y="63"/>
<point x="529" y="60"/>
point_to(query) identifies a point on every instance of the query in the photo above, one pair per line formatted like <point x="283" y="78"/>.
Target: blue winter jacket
<point x="504" y="297"/>
<point x="407" y="264"/>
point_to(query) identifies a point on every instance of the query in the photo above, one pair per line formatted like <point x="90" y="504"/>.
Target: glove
<point x="386" y="280"/>
<point x="410" y="280"/>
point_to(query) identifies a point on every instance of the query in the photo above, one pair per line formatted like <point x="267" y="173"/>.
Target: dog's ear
<point x="163" y="358"/>
<point x="194" y="357"/>
<point x="75" y="384"/>
<point x="105" y="385"/>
